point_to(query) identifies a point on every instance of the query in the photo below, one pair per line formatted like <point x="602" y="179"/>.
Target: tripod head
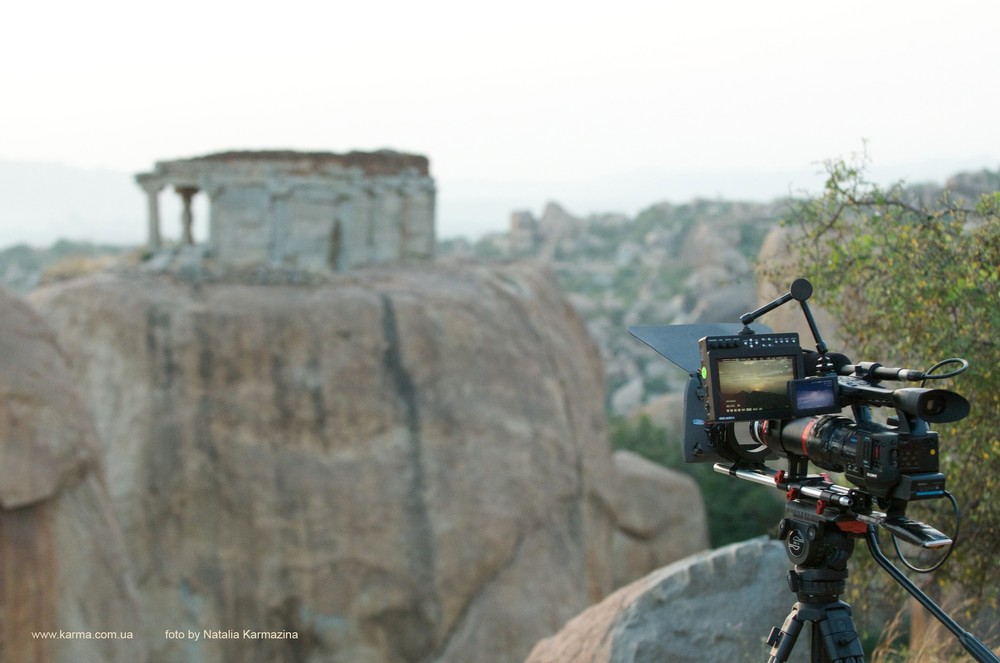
<point x="821" y="524"/>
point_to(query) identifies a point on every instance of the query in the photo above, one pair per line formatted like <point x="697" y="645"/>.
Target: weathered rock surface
<point x="403" y="464"/>
<point x="62" y="560"/>
<point x="715" y="606"/>
<point x="660" y="515"/>
<point x="777" y="252"/>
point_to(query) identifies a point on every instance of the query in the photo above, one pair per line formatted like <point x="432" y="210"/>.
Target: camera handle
<point x="801" y="290"/>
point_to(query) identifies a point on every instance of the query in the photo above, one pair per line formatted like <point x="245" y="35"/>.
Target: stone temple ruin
<point x="302" y="209"/>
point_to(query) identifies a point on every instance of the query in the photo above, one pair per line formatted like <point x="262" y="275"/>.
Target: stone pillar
<point x="387" y="238"/>
<point x="153" y="203"/>
<point x="213" y="193"/>
<point x="187" y="218"/>
<point x="405" y="222"/>
<point x="418" y="220"/>
<point x="281" y="194"/>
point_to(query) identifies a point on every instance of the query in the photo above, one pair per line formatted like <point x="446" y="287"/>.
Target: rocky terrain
<point x="63" y="561"/>
<point x="23" y="268"/>
<point x="671" y="263"/>
<point x="401" y="464"/>
<point x="718" y="605"/>
<point x="660" y="517"/>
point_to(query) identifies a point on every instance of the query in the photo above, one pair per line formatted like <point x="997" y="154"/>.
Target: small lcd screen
<point x="814" y="396"/>
<point x="749" y="385"/>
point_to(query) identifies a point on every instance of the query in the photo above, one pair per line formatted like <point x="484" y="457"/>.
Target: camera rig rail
<point x="850" y="509"/>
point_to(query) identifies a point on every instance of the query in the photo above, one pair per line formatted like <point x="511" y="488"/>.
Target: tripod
<point x="820" y="544"/>
<point x="820" y="551"/>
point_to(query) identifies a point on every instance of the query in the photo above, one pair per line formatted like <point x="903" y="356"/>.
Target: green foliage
<point x="911" y="284"/>
<point x="736" y="510"/>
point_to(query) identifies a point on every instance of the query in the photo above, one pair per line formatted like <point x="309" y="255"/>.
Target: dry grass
<point x="76" y="266"/>
<point x="914" y="636"/>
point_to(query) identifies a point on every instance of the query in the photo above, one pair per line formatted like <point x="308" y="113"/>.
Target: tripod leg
<point x="834" y="638"/>
<point x="839" y="635"/>
<point x="783" y="640"/>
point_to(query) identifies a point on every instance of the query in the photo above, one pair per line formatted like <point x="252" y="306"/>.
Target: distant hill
<point x="671" y="263"/>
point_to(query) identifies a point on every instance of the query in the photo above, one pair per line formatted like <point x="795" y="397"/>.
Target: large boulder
<point x="660" y="516"/>
<point x="399" y="464"/>
<point x="715" y="606"/>
<point x="63" y="566"/>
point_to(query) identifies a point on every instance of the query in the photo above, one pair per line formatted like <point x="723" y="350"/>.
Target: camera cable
<point x="954" y="539"/>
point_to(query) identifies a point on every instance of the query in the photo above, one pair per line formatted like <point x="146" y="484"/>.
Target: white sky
<point x="598" y="105"/>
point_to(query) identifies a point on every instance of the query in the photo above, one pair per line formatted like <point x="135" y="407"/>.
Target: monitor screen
<point x="814" y="396"/>
<point x="754" y="387"/>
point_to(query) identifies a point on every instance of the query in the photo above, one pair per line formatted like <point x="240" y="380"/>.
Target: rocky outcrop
<point x="660" y="516"/>
<point x="402" y="464"/>
<point x="715" y="606"/>
<point x="778" y="254"/>
<point x="62" y="561"/>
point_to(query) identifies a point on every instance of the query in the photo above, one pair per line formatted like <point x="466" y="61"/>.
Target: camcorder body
<point x="755" y="395"/>
<point x="761" y="381"/>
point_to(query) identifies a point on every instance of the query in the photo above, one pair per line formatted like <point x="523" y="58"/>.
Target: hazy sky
<point x="598" y="105"/>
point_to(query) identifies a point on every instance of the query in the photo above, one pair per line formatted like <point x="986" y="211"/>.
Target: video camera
<point x="754" y="395"/>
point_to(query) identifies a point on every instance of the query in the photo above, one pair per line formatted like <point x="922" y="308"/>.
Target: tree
<point x="911" y="282"/>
